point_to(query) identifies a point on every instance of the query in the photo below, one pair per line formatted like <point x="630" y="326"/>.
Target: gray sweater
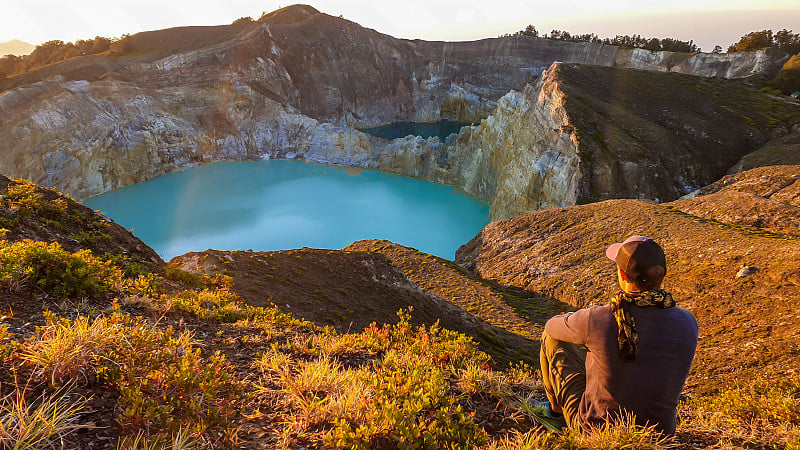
<point x="649" y="386"/>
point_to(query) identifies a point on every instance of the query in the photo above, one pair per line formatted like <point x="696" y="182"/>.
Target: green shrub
<point x="50" y="268"/>
<point x="404" y="399"/>
<point x="788" y="79"/>
<point x="174" y="388"/>
<point x="412" y="407"/>
<point x="25" y="196"/>
<point x="434" y="345"/>
<point x="220" y="305"/>
<point x="190" y="279"/>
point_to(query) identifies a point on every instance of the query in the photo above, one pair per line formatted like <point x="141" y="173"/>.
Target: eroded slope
<point x="659" y="136"/>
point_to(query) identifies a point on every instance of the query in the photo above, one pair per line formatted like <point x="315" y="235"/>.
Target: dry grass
<point x="164" y="385"/>
<point x="182" y="440"/>
<point x="63" y="350"/>
<point x="41" y="422"/>
<point x="622" y="434"/>
<point x="758" y="412"/>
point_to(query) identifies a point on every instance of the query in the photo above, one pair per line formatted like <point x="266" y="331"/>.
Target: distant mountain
<point x="15" y="47"/>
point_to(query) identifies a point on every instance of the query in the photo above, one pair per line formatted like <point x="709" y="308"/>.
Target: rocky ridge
<point x="173" y="99"/>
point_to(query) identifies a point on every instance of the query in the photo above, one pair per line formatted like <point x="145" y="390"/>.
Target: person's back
<point x="650" y="385"/>
<point x="640" y="348"/>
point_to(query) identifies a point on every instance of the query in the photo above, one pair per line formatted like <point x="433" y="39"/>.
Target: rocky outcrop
<point x="521" y="158"/>
<point x="299" y="83"/>
<point x="724" y="65"/>
<point x="586" y="133"/>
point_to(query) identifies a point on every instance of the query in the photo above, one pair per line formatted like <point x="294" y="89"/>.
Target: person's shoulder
<point x="599" y="309"/>
<point x="594" y="310"/>
<point x="685" y="318"/>
<point x="600" y="313"/>
<point x="685" y="313"/>
<point x="590" y="312"/>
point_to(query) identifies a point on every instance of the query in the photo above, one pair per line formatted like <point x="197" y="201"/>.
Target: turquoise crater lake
<point x="279" y="205"/>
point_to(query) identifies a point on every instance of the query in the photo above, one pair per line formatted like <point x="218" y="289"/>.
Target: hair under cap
<point x="641" y="259"/>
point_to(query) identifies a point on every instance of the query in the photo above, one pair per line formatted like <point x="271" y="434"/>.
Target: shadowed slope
<point x="658" y="136"/>
<point x="781" y="150"/>
<point x="516" y="310"/>
<point x="349" y="290"/>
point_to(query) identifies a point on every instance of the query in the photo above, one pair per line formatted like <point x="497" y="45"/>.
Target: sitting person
<point x="640" y="348"/>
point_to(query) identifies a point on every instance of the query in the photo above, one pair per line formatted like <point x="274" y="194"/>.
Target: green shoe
<point x="541" y="413"/>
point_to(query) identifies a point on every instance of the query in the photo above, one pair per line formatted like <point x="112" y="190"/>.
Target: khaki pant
<point x="564" y="377"/>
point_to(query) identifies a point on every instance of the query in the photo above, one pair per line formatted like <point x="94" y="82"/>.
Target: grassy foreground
<point x="137" y="341"/>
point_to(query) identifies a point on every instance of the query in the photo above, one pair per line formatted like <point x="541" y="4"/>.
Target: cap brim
<point x="612" y="251"/>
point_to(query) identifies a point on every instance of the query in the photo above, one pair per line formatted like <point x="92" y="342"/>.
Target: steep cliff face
<point x="522" y="158"/>
<point x="659" y="136"/>
<point x="586" y="133"/>
<point x="299" y="83"/>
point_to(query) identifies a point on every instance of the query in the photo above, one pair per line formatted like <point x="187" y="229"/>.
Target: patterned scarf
<point x="628" y="337"/>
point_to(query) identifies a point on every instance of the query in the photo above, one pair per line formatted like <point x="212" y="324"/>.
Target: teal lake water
<point x="280" y="205"/>
<point x="402" y="129"/>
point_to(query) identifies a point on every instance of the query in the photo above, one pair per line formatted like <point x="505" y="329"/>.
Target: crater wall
<point x="174" y="99"/>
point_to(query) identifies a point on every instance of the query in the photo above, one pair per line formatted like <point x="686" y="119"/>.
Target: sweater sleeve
<point x="570" y="327"/>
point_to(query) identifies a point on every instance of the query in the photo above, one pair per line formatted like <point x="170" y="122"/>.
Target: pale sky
<point x="707" y="22"/>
